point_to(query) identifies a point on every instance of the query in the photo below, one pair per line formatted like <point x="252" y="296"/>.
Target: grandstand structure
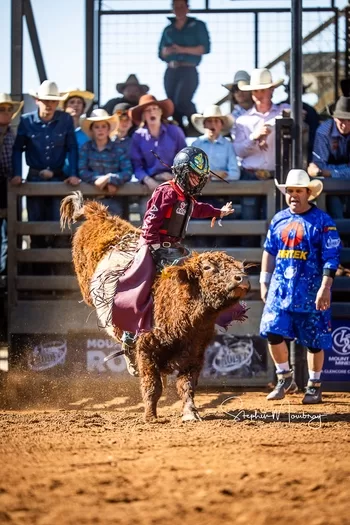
<point x="50" y="305"/>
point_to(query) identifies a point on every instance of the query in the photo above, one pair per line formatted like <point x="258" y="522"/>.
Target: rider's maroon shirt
<point x="162" y="200"/>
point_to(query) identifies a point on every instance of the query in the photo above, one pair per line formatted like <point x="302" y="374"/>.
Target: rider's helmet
<point x="191" y="170"/>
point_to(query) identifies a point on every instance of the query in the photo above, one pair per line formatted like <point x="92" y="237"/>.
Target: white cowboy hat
<point x="87" y="96"/>
<point x="48" y="90"/>
<point x="260" y="79"/>
<point x="17" y="106"/>
<point x="300" y="179"/>
<point x="97" y="115"/>
<point x="212" y="112"/>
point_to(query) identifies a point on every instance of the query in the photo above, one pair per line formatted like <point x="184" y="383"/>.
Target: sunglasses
<point x="6" y="110"/>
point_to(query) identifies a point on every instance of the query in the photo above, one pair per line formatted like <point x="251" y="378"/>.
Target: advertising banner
<point x="337" y="362"/>
<point x="237" y="359"/>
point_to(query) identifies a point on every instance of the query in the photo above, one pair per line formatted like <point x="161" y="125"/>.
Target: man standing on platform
<point x="182" y="45"/>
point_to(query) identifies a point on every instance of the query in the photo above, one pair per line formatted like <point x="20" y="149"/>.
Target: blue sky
<point x="129" y="44"/>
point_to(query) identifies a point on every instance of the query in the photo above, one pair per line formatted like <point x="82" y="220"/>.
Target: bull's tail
<point x="73" y="209"/>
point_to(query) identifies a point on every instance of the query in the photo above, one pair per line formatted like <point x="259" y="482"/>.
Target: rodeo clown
<point x="165" y="223"/>
<point x="300" y="258"/>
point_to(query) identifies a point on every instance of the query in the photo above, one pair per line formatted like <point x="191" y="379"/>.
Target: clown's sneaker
<point x="285" y="385"/>
<point x="313" y="393"/>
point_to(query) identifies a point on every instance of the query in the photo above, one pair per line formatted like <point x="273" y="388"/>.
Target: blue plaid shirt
<point x="332" y="150"/>
<point x="6" y="155"/>
<point x="112" y="159"/>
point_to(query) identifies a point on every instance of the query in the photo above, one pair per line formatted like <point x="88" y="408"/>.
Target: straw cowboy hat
<point x="240" y="76"/>
<point x="260" y="79"/>
<point x="300" y="179"/>
<point x="97" y="115"/>
<point x="87" y="96"/>
<point x="166" y="106"/>
<point x="47" y="91"/>
<point x="342" y="108"/>
<point x="212" y="112"/>
<point x="132" y="81"/>
<point x="17" y="106"/>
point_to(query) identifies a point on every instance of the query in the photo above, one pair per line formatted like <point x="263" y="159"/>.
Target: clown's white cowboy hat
<point x="97" y="115"/>
<point x="87" y="96"/>
<point x="260" y="79"/>
<point x="17" y="106"/>
<point x="48" y="90"/>
<point x="300" y="179"/>
<point x="212" y="112"/>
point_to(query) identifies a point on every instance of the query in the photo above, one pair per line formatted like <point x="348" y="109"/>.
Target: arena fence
<point x="48" y="321"/>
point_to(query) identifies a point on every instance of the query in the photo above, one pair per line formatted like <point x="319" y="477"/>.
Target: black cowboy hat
<point x="133" y="81"/>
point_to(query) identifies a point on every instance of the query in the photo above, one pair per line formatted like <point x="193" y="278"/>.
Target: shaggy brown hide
<point x="187" y="301"/>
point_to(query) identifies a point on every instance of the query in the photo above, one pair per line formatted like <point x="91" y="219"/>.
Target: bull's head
<point x="219" y="279"/>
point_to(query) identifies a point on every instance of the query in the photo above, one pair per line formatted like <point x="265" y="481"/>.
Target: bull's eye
<point x="208" y="267"/>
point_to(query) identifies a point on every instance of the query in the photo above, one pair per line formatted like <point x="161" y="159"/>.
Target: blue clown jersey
<point x="303" y="245"/>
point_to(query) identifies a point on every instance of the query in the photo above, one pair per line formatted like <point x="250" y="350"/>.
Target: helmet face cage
<point x="191" y="160"/>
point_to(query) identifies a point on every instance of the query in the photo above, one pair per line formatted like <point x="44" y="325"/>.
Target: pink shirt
<point x="253" y="158"/>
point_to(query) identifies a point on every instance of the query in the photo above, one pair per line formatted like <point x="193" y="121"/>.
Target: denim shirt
<point x="46" y="144"/>
<point x="332" y="150"/>
<point x="194" y="33"/>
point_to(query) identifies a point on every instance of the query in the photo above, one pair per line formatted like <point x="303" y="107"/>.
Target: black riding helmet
<point x="191" y="160"/>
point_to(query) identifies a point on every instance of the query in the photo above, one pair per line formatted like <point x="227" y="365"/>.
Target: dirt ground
<point x="83" y="458"/>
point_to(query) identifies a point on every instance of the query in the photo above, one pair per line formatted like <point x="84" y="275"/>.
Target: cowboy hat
<point x="47" y="91"/>
<point x="17" y="106"/>
<point x="97" y="115"/>
<point x="240" y="76"/>
<point x="166" y="106"/>
<point x="87" y="96"/>
<point x="342" y="108"/>
<point x="300" y="179"/>
<point x="260" y="79"/>
<point x="131" y="81"/>
<point x="212" y="112"/>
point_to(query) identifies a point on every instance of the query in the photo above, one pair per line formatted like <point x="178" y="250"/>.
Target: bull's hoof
<point x="157" y="420"/>
<point x="191" y="416"/>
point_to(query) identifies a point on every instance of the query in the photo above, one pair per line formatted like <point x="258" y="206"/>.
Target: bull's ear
<point x="182" y="275"/>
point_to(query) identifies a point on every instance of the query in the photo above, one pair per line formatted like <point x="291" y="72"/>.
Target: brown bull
<point x="187" y="301"/>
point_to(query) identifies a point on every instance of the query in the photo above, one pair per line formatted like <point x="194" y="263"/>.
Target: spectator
<point x="182" y="45"/>
<point x="331" y="154"/>
<point x="124" y="127"/>
<point x="214" y="125"/>
<point x="241" y="100"/>
<point x="77" y="102"/>
<point x="157" y="134"/>
<point x="222" y="159"/>
<point x="311" y="118"/>
<point x="103" y="162"/>
<point x="9" y="109"/>
<point x="47" y="137"/>
<point x="300" y="258"/>
<point x="131" y="90"/>
<point x="255" y="139"/>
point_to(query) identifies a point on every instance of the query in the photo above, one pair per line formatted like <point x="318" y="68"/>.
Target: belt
<point x="167" y="244"/>
<point x="174" y="64"/>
